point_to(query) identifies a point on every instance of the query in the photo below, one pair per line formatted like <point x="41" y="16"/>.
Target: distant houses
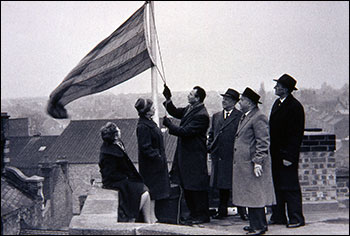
<point x="335" y="122"/>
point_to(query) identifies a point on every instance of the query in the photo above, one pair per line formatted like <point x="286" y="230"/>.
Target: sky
<point x="216" y="45"/>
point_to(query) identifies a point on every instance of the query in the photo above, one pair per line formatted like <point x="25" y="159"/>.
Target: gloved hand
<point x="166" y="92"/>
<point x="166" y="121"/>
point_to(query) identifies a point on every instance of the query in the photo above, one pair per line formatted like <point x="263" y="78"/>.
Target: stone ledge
<point x="101" y="202"/>
<point x="320" y="206"/>
<point x="97" y="225"/>
<point x="99" y="216"/>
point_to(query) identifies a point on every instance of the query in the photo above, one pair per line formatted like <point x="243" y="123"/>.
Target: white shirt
<point x="282" y="99"/>
<point x="227" y="113"/>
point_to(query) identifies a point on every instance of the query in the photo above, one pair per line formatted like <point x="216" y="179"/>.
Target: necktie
<point x="242" y="118"/>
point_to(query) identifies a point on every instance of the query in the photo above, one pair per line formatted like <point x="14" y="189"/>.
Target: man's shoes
<point x="200" y="221"/>
<point x="244" y="216"/>
<point x="256" y="232"/>
<point x="296" y="225"/>
<point x="186" y="221"/>
<point x="219" y="216"/>
<point x="247" y="228"/>
<point x="272" y="222"/>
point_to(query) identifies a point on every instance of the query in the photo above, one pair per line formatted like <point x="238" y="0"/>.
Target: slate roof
<point x="16" y="146"/>
<point x="18" y="127"/>
<point x="80" y="142"/>
<point x="12" y="198"/>
<point x="27" y="152"/>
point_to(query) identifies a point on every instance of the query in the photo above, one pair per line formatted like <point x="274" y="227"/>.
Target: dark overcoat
<point x="221" y="138"/>
<point x="152" y="160"/>
<point x="252" y="146"/>
<point x="287" y="123"/>
<point x="190" y="161"/>
<point x="119" y="173"/>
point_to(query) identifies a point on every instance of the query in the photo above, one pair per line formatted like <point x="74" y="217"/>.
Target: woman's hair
<point x="108" y="132"/>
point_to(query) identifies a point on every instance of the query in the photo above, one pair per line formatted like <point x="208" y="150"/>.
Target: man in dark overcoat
<point x="287" y="121"/>
<point x="189" y="168"/>
<point x="221" y="138"/>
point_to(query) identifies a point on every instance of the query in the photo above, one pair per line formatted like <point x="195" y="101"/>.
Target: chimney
<point x="5" y="160"/>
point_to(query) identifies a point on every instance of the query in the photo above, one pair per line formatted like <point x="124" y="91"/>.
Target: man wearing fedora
<point x="220" y="146"/>
<point x="252" y="185"/>
<point x="287" y="121"/>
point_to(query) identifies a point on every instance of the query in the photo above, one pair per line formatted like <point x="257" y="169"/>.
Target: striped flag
<point x="117" y="58"/>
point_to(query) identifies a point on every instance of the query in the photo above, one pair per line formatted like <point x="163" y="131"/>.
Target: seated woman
<point x="119" y="173"/>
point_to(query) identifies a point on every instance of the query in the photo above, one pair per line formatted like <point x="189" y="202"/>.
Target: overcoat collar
<point x="112" y="149"/>
<point x="229" y="119"/>
<point x="247" y="119"/>
<point x="187" y="117"/>
<point x="276" y="106"/>
<point x="147" y="122"/>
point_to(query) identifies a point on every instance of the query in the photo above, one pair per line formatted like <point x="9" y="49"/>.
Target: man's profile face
<point x="192" y="97"/>
<point x="279" y="89"/>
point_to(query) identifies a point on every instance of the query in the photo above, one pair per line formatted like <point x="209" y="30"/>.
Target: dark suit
<point x="287" y="122"/>
<point x="220" y="146"/>
<point x="189" y="167"/>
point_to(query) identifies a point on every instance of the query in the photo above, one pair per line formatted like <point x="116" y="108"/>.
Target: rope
<point x="160" y="54"/>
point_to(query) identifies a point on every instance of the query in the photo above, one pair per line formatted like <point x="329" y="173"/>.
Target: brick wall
<point x="318" y="142"/>
<point x="317" y="170"/>
<point x="343" y="187"/>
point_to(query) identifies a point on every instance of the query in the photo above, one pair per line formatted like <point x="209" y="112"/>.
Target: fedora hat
<point x="287" y="81"/>
<point x="231" y="93"/>
<point x="249" y="93"/>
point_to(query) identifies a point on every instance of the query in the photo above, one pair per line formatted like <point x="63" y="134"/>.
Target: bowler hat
<point x="249" y="93"/>
<point x="231" y="93"/>
<point x="143" y="105"/>
<point x="287" y="81"/>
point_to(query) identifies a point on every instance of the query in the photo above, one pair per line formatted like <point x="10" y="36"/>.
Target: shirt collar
<point x="282" y="99"/>
<point x="247" y="112"/>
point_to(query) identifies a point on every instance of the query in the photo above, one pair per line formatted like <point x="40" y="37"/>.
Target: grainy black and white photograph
<point x="175" y="117"/>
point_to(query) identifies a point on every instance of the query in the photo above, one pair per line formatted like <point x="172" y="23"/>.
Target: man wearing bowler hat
<point x="220" y="146"/>
<point x="287" y="121"/>
<point x="252" y="185"/>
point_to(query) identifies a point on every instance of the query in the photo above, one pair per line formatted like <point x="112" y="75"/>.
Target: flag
<point x="117" y="58"/>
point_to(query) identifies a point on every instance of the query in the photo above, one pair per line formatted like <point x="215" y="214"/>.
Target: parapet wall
<point x="99" y="216"/>
<point x="317" y="171"/>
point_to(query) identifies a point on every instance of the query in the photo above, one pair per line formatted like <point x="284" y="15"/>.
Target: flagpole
<point x="154" y="80"/>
